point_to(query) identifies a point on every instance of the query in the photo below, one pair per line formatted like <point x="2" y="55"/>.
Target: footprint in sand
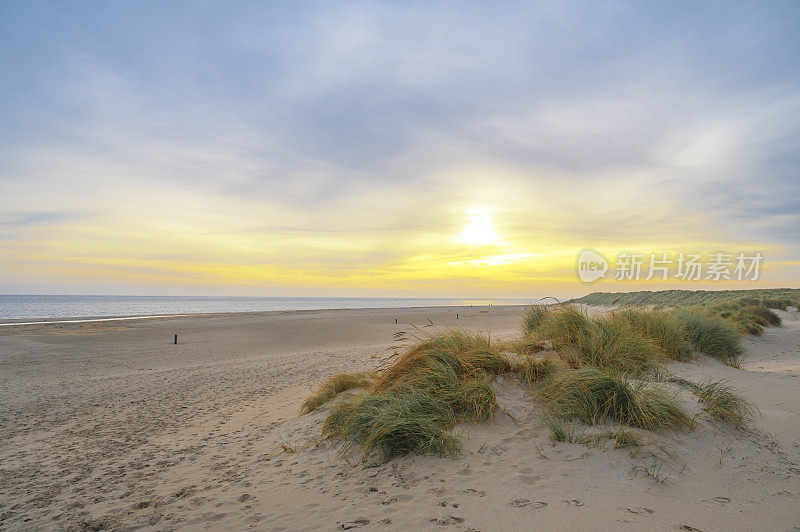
<point x="689" y="528"/>
<point x="479" y="493"/>
<point x="448" y="520"/>
<point x="722" y="500"/>
<point x="574" y="502"/>
<point x="525" y="503"/>
<point x="356" y="523"/>
<point x="640" y="510"/>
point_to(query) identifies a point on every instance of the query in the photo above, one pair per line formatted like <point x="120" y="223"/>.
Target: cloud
<point x="344" y="139"/>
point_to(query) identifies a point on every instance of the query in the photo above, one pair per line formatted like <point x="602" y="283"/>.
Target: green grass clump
<point x="413" y="405"/>
<point x="463" y="352"/>
<point x="747" y="315"/>
<point x="712" y="336"/>
<point x="533" y="317"/>
<point x="627" y="438"/>
<point x="605" y="342"/>
<point x="565" y="433"/>
<point x="334" y="386"/>
<point x="591" y="394"/>
<point x="527" y="345"/>
<point x="404" y="421"/>
<point x="720" y="400"/>
<point x="682" y="298"/>
<point x="532" y="370"/>
<point x="782" y="303"/>
<point x="661" y="328"/>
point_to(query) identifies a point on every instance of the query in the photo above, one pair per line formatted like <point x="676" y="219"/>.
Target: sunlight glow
<point x="479" y="232"/>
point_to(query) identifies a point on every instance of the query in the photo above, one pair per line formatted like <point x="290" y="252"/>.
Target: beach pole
<point x="456" y="315"/>
<point x="395" y="321"/>
<point x="176" y="339"/>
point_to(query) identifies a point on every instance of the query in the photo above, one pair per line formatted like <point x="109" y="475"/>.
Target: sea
<point x="33" y="307"/>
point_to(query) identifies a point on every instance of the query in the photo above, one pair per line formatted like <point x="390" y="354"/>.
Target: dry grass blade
<point x="592" y="394"/>
<point x="334" y="386"/>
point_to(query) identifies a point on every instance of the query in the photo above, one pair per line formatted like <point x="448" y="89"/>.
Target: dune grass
<point x="720" y="401"/>
<point x="413" y="404"/>
<point x="605" y="368"/>
<point x="532" y="370"/>
<point x="661" y="328"/>
<point x="591" y="395"/>
<point x="407" y="421"/>
<point x="627" y="438"/>
<point x="604" y="342"/>
<point x="681" y="298"/>
<point x="711" y="336"/>
<point x="461" y="351"/>
<point x="747" y="315"/>
<point x="748" y="311"/>
<point x="533" y="317"/>
<point x="561" y="431"/>
<point x="334" y="386"/>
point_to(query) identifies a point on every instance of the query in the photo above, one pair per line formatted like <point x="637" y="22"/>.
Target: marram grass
<point x="682" y="298"/>
<point x="712" y="336"/>
<point x="461" y="351"/>
<point x="413" y="405"/>
<point x="605" y="368"/>
<point x="661" y="328"/>
<point x="533" y="317"/>
<point x="334" y="386"/>
<point x="561" y="431"/>
<point x="720" y="401"/>
<point x="532" y="370"/>
<point x="603" y="342"/>
<point x="592" y="395"/>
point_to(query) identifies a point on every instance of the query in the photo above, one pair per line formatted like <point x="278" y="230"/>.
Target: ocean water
<point x="16" y="307"/>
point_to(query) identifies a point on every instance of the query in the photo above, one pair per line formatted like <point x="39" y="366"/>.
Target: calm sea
<point x="14" y="307"/>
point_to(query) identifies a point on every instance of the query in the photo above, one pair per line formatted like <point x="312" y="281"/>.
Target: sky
<point x="442" y="149"/>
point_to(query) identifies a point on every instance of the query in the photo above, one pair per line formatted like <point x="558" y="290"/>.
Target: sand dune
<point x="108" y="425"/>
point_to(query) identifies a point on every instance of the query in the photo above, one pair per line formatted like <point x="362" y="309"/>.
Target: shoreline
<point x="8" y="322"/>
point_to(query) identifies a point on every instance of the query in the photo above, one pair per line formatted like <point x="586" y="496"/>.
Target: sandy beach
<point x="111" y="426"/>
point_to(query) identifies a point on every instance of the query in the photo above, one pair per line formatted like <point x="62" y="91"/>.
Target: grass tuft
<point x="605" y="342"/>
<point x="681" y="298"/>
<point x="591" y="394"/>
<point x="463" y="352"/>
<point x="720" y="401"/>
<point x="405" y="421"/>
<point x="627" y="438"/>
<point x="661" y="328"/>
<point x="532" y="370"/>
<point x="533" y="317"/>
<point x="334" y="386"/>
<point x="414" y="404"/>
<point x="712" y="336"/>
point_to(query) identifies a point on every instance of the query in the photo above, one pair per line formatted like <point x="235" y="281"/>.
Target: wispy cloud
<point x="326" y="144"/>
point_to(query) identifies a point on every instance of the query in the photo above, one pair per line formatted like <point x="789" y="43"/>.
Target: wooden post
<point x="456" y="315"/>
<point x="395" y="321"/>
<point x="176" y="339"/>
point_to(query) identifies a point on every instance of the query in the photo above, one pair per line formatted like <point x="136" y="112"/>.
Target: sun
<point x="479" y="232"/>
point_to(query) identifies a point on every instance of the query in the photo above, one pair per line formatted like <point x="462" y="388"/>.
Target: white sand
<point x="109" y="425"/>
